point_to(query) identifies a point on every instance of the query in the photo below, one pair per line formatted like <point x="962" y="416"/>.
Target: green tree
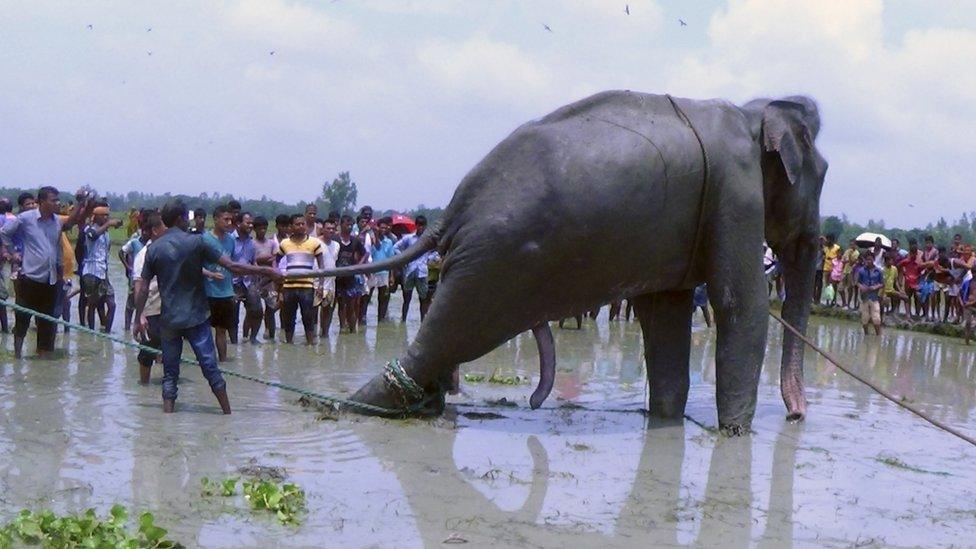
<point x="340" y="195"/>
<point x="832" y="225"/>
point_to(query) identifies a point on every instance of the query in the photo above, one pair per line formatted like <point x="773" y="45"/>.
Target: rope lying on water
<point x="397" y="374"/>
<point x="331" y="400"/>
<point x="947" y="428"/>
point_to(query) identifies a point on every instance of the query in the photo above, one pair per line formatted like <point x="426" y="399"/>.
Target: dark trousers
<point x="817" y="285"/>
<point x="294" y="299"/>
<point x="201" y="341"/>
<point x="146" y="358"/>
<point x="40" y="297"/>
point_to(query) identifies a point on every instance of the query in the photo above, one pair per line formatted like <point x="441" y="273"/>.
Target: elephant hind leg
<point x="665" y="319"/>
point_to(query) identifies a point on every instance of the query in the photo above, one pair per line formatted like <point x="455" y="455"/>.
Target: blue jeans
<point x="202" y="343"/>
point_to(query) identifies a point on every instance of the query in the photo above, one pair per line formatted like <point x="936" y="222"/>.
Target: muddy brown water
<point x="81" y="432"/>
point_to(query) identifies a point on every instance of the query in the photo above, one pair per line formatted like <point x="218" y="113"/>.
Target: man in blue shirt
<point x="98" y="291"/>
<point x="382" y="248"/>
<point x="246" y="288"/>
<point x="219" y="285"/>
<point x="870" y="280"/>
<point x="39" y="279"/>
<point x="176" y="260"/>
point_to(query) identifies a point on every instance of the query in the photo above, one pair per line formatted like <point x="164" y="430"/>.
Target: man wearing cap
<point x="98" y="291"/>
<point x="39" y="280"/>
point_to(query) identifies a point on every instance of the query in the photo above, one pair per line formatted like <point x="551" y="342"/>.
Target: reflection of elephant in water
<point x="658" y="509"/>
<point x="628" y="194"/>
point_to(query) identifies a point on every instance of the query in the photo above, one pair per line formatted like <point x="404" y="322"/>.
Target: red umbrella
<point x="403" y="223"/>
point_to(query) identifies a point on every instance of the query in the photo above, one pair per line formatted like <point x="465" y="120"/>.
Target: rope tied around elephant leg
<point x="397" y="379"/>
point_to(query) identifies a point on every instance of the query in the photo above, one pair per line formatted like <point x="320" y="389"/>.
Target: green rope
<point x="333" y="401"/>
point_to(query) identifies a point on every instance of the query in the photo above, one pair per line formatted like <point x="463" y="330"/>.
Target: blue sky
<point x="408" y="95"/>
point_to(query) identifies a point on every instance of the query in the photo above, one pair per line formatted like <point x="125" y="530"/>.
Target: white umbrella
<point x="866" y="240"/>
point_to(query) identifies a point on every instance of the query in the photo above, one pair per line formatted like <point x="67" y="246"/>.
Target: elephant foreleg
<point x="665" y="319"/>
<point x="547" y="364"/>
<point x="736" y="292"/>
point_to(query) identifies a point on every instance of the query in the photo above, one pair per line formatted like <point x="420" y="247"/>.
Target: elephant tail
<point x="427" y="242"/>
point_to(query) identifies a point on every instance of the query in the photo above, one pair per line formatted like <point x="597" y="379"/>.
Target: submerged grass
<point x="496" y="379"/>
<point x="893" y="461"/>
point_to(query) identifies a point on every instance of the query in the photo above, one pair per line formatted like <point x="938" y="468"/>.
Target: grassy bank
<point x="897" y="322"/>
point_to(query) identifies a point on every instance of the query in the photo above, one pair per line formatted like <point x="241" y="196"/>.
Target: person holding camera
<point x="39" y="280"/>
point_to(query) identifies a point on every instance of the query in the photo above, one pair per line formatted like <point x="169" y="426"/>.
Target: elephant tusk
<point x="547" y="364"/>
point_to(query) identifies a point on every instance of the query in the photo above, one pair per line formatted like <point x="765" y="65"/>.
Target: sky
<point x="275" y="97"/>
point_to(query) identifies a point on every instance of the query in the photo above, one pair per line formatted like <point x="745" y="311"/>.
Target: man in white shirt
<point x="415" y="273"/>
<point x="153" y="225"/>
<point x="327" y="293"/>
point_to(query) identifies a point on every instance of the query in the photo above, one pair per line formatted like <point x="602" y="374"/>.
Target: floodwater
<point x="81" y="432"/>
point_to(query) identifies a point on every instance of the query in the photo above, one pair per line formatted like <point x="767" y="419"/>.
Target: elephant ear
<point x="785" y="133"/>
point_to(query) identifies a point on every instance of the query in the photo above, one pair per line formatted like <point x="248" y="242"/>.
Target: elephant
<point x="535" y="233"/>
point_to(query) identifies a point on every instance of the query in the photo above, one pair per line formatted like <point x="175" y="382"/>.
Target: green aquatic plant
<point x="46" y="529"/>
<point x="285" y="500"/>
<point x="226" y="487"/>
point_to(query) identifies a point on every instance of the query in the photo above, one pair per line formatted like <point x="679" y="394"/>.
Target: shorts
<point x="96" y="288"/>
<point x="847" y="281"/>
<point x="269" y="293"/>
<point x="414" y="282"/>
<point x="700" y="296"/>
<point x="250" y="296"/>
<point x="379" y="280"/>
<point x="870" y="312"/>
<point x="4" y="292"/>
<point x="222" y="312"/>
<point x="324" y="298"/>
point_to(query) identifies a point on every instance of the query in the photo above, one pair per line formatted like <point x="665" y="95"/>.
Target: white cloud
<point x="484" y="69"/>
<point x="282" y="25"/>
<point x="893" y="113"/>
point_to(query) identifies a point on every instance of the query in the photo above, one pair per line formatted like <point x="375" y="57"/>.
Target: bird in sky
<point x="272" y="52"/>
<point x="911" y="205"/>
<point x="90" y="27"/>
<point x="683" y="24"/>
<point x="148" y="29"/>
<point x="545" y="26"/>
<point x="627" y="9"/>
<point x="149" y="53"/>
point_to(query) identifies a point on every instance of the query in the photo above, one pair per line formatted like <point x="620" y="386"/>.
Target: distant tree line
<point x="338" y="195"/>
<point x="942" y="231"/>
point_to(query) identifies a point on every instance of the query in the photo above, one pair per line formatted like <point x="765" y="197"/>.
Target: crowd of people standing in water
<point x="924" y="283"/>
<point x="183" y="288"/>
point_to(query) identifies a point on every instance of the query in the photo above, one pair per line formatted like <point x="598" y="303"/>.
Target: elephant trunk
<point x="798" y="273"/>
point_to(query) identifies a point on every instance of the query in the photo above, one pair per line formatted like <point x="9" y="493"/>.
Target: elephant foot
<point x="393" y="403"/>
<point x="734" y="430"/>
